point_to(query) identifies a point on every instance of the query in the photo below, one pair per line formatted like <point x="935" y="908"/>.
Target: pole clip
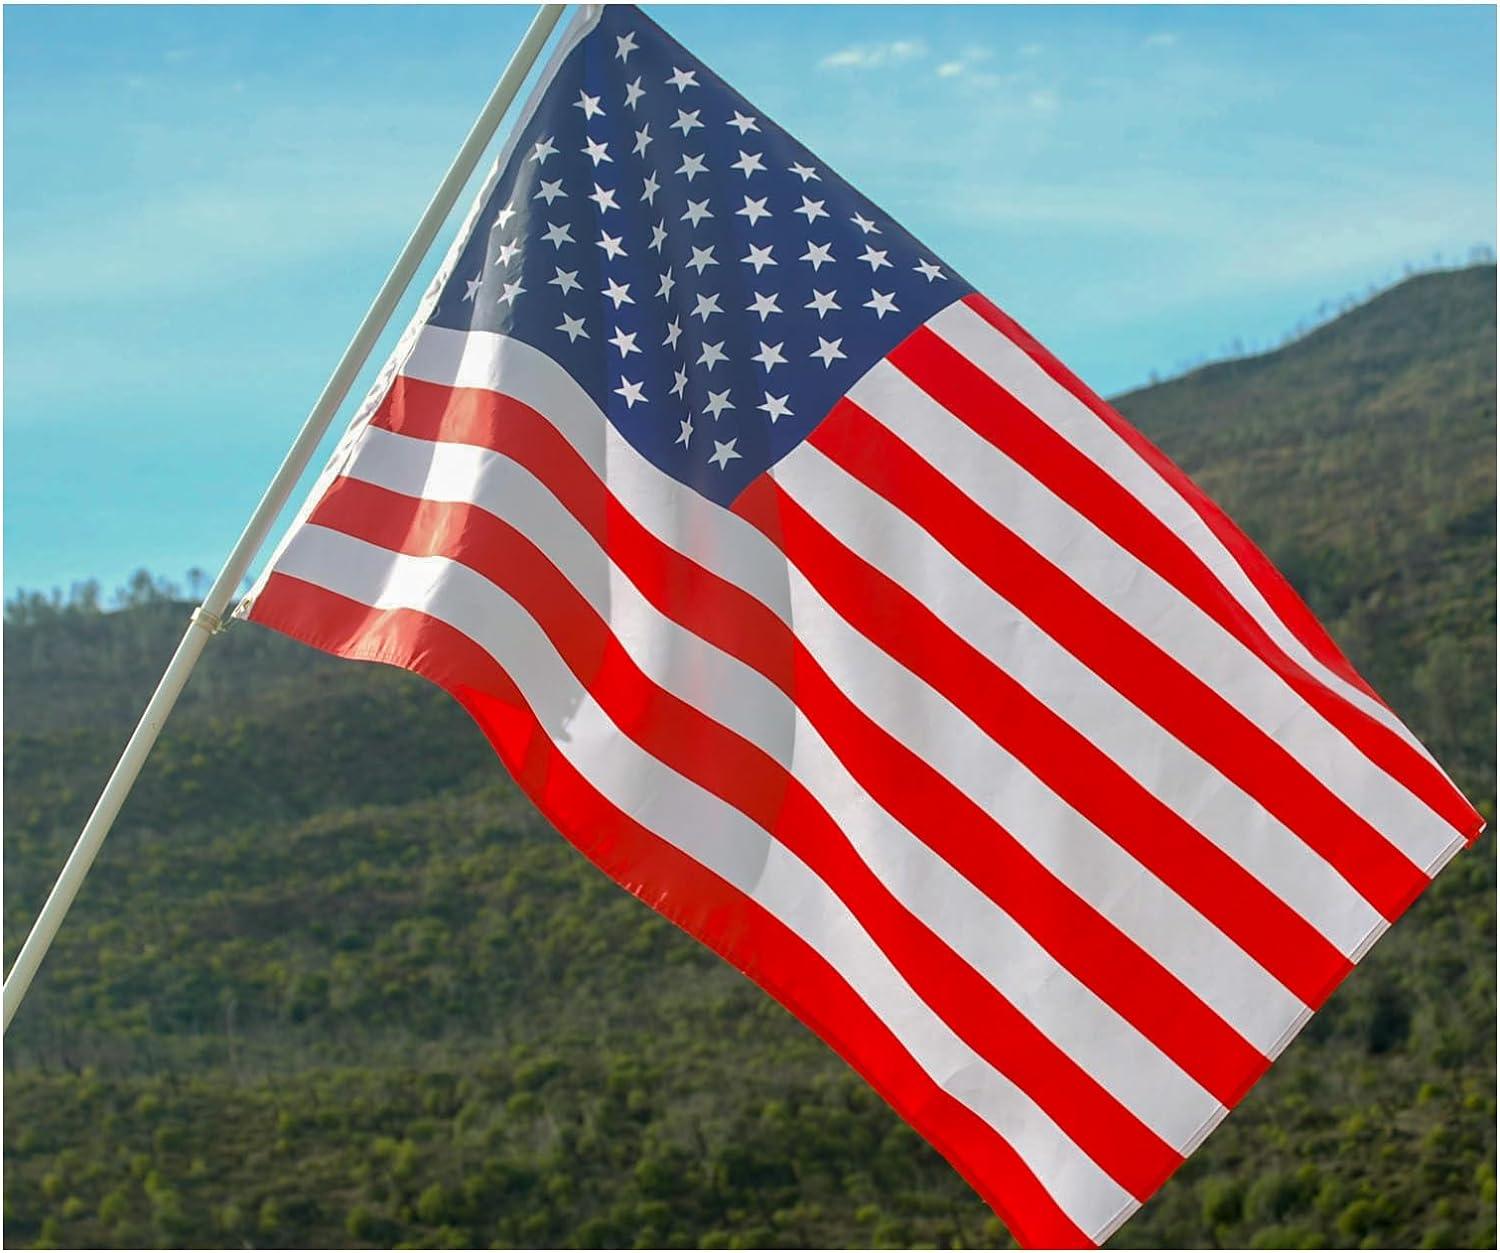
<point x="207" y="619"/>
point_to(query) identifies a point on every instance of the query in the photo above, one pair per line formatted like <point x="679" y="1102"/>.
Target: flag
<point x="824" y="610"/>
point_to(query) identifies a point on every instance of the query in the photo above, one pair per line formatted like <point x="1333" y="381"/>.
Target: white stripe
<point x="711" y="832"/>
<point x="1219" y="809"/>
<point x="1014" y="370"/>
<point x="1094" y="1035"/>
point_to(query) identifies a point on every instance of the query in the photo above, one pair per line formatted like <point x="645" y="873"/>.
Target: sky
<point x="199" y="203"/>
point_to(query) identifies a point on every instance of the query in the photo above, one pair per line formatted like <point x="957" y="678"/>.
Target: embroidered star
<point x="817" y="254"/>
<point x="631" y="391"/>
<point x="769" y="356"/>
<point x="512" y="290"/>
<point x="658" y="235"/>
<point x="865" y="225"/>
<point x="682" y="79"/>
<point x="712" y="354"/>
<point x="674" y="331"/>
<point x="611" y="246"/>
<point x="823" y="302"/>
<point x="667" y="283"/>
<point x="882" y="303"/>
<point x="505" y="252"/>
<point x="691" y="166"/>
<point x="649" y="188"/>
<point x="742" y="123"/>
<point x="642" y="140"/>
<point x="557" y="235"/>
<point x="596" y="152"/>
<point x="702" y="258"/>
<point x="705" y="306"/>
<point x="619" y="293"/>
<point x="763" y="305"/>
<point x="827" y="351"/>
<point x="775" y="406"/>
<point x="717" y="403"/>
<point x="812" y="209"/>
<point x="686" y="432"/>
<point x="505" y="216"/>
<point x="679" y="383"/>
<point x="551" y="191"/>
<point x="543" y="150"/>
<point x="874" y="256"/>
<point x="633" y="93"/>
<point x="589" y="104"/>
<point x="928" y="271"/>
<point x="723" y="454"/>
<point x="749" y="162"/>
<point x="697" y="210"/>
<point x="686" y="121"/>
<point x="604" y="197"/>
<point x="566" y="279"/>
<point x="754" y="210"/>
<point x="473" y="285"/>
<point x="625" y="343"/>
<point x="573" y="328"/>
<point x="759" y="257"/>
<point x="624" y="45"/>
<point x="804" y="172"/>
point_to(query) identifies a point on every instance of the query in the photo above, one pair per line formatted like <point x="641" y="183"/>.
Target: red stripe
<point x="681" y="889"/>
<point x="743" y="775"/>
<point x="1140" y="671"/>
<point x="1097" y="953"/>
<point x="971" y="395"/>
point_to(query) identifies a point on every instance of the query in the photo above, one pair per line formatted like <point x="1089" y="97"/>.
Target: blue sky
<point x="200" y="202"/>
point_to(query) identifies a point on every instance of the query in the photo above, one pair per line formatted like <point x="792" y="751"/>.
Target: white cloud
<point x="1031" y="50"/>
<point x="1043" y="101"/>
<point x="873" y="56"/>
<point x="964" y="62"/>
<point x="1162" y="39"/>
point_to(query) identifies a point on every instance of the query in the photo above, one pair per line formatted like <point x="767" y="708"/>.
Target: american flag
<point x="824" y="610"/>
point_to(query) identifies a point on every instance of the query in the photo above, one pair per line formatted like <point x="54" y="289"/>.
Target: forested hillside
<point x="332" y="982"/>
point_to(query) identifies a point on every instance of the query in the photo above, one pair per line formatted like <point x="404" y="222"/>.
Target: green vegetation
<point x="332" y="981"/>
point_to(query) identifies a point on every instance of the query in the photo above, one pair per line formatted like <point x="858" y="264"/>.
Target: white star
<point x="543" y="150"/>
<point x="775" y="406"/>
<point x="557" y="235"/>
<point x="928" y="270"/>
<point x="572" y="328"/>
<point x="505" y="252"/>
<point x="551" y="191"/>
<point x="611" y="246"/>
<point x="642" y="140"/>
<point x="723" y="454"/>
<point x="705" y="306"/>
<point x="865" y="225"/>
<point x="679" y="383"/>
<point x="473" y="285"/>
<point x="624" y="45"/>
<point x="604" y="197"/>
<point x="596" y="151"/>
<point x="686" y="121"/>
<point x="673" y="332"/>
<point x="697" y="210"/>
<point x="817" y="254"/>
<point x="749" y="162"/>
<point x="754" y="210"/>
<point x="566" y="279"/>
<point x="658" y="235"/>
<point x="823" y="302"/>
<point x="763" y="305"/>
<point x="827" y="351"/>
<point x="813" y="209"/>
<point x="804" y="172"/>
<point x="712" y="354"/>
<point x="702" y="258"/>
<point x="691" y="166"/>
<point x="512" y="290"/>
<point x="682" y="79"/>
<point x="769" y="356"/>
<point x="633" y="92"/>
<point x="742" y="123"/>
<point x="759" y="257"/>
<point x="505" y="216"/>
<point x="649" y="188"/>
<point x="882" y="303"/>
<point x="589" y="104"/>
<point x="667" y="283"/>
<point x="717" y="403"/>
<point x="619" y="293"/>
<point x="686" y="433"/>
<point x="625" y="343"/>
<point x="874" y="256"/>
<point x="631" y="391"/>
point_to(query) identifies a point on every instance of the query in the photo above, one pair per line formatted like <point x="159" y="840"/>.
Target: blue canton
<point x="704" y="277"/>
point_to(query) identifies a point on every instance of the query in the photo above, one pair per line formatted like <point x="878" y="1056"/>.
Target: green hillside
<point x="332" y="982"/>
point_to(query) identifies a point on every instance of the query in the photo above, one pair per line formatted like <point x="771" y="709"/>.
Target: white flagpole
<point x="207" y="619"/>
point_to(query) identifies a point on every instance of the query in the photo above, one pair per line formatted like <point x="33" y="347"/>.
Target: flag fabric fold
<point x="824" y="610"/>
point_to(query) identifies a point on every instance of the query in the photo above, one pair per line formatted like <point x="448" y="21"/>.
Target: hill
<point x="332" y="982"/>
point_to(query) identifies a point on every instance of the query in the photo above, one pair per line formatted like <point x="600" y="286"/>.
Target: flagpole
<point x="208" y="618"/>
